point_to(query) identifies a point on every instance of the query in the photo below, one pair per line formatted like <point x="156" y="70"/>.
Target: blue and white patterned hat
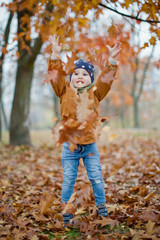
<point x="85" y="65"/>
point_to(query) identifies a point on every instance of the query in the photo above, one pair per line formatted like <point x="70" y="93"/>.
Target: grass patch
<point x="73" y="234"/>
<point x="122" y="228"/>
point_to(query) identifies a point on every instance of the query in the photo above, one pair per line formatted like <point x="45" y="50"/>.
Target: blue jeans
<point x="70" y="163"/>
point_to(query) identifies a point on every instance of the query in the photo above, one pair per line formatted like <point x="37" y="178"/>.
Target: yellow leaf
<point x="54" y="2"/>
<point x="67" y="229"/>
<point x="34" y="237"/>
<point x="95" y="2"/>
<point x="152" y="40"/>
<point x="127" y="3"/>
<point x="111" y="137"/>
<point x="80" y="211"/>
<point x="16" y="197"/>
<point x="106" y="128"/>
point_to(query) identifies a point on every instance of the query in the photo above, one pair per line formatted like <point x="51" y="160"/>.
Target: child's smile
<point x="80" y="78"/>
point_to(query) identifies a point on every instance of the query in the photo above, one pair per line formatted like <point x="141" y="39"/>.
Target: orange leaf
<point x="52" y="75"/>
<point x="145" y="45"/>
<point x="113" y="32"/>
<point x="18" y="55"/>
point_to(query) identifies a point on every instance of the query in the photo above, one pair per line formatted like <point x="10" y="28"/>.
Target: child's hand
<point x="113" y="52"/>
<point x="56" y="46"/>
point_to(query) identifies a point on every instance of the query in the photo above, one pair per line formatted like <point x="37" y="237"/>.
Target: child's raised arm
<point x="113" y="52"/>
<point x="107" y="76"/>
<point x="56" y="73"/>
<point x="56" y="46"/>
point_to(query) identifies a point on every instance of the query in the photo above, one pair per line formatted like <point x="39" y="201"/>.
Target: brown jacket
<point x="82" y="107"/>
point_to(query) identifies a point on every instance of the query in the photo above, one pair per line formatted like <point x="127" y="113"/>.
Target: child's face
<point x="80" y="78"/>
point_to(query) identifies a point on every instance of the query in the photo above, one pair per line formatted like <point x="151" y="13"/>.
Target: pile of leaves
<point x="31" y="185"/>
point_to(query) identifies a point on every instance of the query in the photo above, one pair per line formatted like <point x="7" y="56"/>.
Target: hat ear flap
<point x="70" y="76"/>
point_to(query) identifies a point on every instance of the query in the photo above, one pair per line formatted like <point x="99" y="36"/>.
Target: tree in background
<point x="138" y="85"/>
<point x="28" y="49"/>
<point x="3" y="45"/>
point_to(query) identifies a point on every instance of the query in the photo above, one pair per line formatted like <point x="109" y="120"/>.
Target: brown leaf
<point x="149" y="216"/>
<point x="106" y="221"/>
<point x="46" y="203"/>
<point x="149" y="227"/>
<point x="59" y="226"/>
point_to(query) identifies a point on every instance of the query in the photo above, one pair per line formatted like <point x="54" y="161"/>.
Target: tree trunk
<point x="19" y="123"/>
<point x="136" y="113"/>
<point x="137" y="96"/>
<point x="4" y="115"/>
<point x="122" y="117"/>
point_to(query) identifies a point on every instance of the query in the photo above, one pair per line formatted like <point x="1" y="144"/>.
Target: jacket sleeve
<point x="105" y="80"/>
<point x="57" y="76"/>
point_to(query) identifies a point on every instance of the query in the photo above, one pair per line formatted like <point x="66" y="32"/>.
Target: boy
<point x="70" y="94"/>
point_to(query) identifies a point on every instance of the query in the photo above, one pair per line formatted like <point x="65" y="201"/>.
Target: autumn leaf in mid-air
<point x="52" y="75"/>
<point x="70" y="65"/>
<point x="145" y="45"/>
<point x="108" y="77"/>
<point x="112" y="137"/>
<point x="105" y="118"/>
<point x="152" y="40"/>
<point x="70" y="131"/>
<point x="113" y="31"/>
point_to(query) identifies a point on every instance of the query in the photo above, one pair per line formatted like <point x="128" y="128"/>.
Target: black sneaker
<point x="67" y="217"/>
<point x="102" y="210"/>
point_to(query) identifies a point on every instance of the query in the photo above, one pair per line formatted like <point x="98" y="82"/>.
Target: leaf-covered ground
<point x="31" y="184"/>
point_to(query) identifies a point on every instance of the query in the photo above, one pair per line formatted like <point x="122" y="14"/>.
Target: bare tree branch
<point x="130" y="16"/>
<point x="135" y="79"/>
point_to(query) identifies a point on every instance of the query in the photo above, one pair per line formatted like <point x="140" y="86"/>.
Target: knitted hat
<point x="85" y="65"/>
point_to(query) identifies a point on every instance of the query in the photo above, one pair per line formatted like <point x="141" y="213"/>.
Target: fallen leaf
<point x="149" y="227"/>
